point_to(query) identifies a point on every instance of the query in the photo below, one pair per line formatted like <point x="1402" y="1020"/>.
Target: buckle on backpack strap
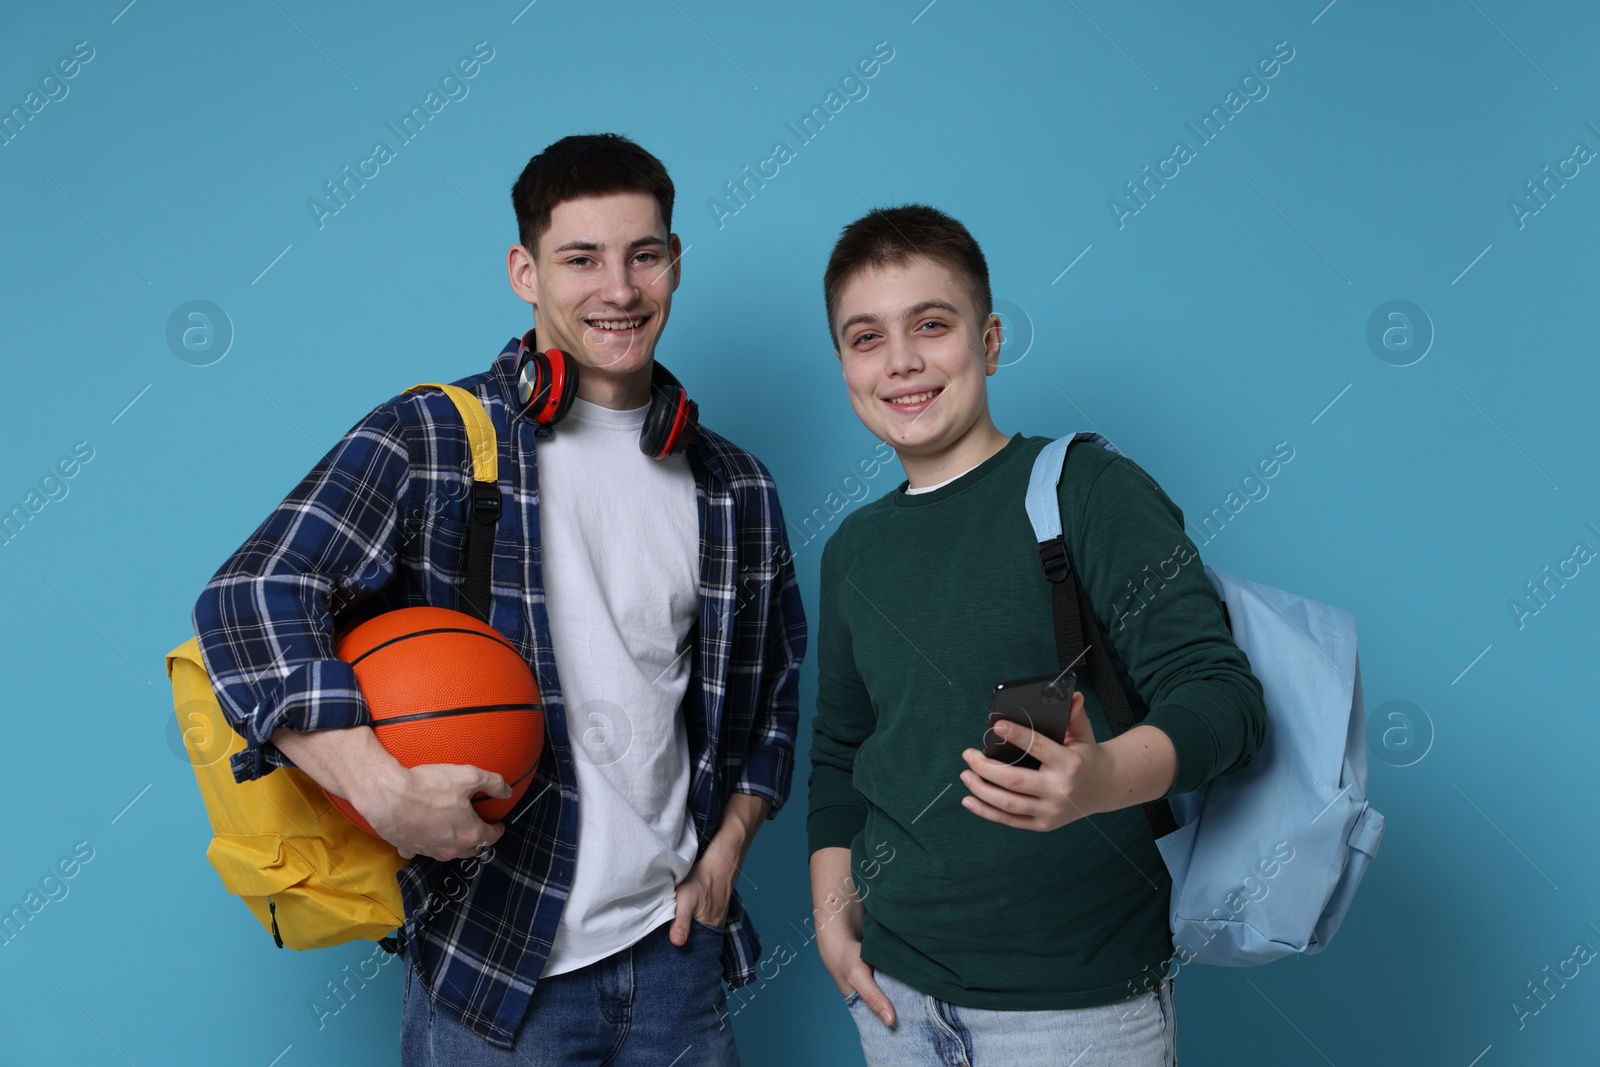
<point x="485" y="503"/>
<point x="1053" y="555"/>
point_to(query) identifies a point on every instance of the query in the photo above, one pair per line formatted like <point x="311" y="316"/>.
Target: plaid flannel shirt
<point x="379" y="524"/>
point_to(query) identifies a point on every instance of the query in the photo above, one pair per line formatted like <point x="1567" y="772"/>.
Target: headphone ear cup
<point x="690" y="423"/>
<point x="670" y="421"/>
<point x="564" y="385"/>
<point x="547" y="383"/>
<point x="658" y="422"/>
<point x="533" y="377"/>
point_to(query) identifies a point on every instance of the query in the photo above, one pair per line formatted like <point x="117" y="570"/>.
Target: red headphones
<point x="547" y="383"/>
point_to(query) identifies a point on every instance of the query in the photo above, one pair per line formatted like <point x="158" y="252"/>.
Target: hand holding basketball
<point x="353" y="763"/>
<point x="426" y="810"/>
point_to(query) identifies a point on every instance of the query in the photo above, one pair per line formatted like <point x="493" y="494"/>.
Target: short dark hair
<point x="588" y="164"/>
<point x="894" y="235"/>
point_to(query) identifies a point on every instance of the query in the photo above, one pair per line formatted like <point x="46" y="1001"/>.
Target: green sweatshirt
<point x="927" y="602"/>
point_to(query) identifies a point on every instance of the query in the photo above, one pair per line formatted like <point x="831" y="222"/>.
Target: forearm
<point x="833" y="891"/>
<point x="1143" y="762"/>
<point x="838" y="914"/>
<point x="836" y="811"/>
<point x="742" y="816"/>
<point x="351" y="763"/>
<point x="769" y="758"/>
<point x="422" y="811"/>
<point x="1216" y="725"/>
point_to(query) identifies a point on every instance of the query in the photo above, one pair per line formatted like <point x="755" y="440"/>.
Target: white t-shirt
<point x="940" y="485"/>
<point x="620" y="549"/>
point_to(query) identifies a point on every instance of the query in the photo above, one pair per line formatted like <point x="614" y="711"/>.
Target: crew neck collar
<point x="901" y="499"/>
<point x="608" y="418"/>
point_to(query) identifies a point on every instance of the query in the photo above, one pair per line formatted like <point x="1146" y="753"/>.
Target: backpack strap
<point x="484" y="513"/>
<point x="1077" y="631"/>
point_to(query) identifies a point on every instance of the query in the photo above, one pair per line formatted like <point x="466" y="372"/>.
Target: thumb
<point x="875" y="998"/>
<point x="1079" y="731"/>
<point x="679" y="933"/>
<point x="493" y="784"/>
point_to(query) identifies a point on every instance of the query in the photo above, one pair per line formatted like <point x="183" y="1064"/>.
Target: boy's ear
<point x="675" y="250"/>
<point x="523" y="274"/>
<point x="993" y="336"/>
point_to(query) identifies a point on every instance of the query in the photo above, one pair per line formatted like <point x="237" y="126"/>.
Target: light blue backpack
<point x="1264" y="861"/>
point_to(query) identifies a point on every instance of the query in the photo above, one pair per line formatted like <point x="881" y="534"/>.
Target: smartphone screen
<point x="1042" y="703"/>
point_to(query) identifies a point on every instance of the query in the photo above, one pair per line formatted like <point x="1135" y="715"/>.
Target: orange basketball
<point x="444" y="687"/>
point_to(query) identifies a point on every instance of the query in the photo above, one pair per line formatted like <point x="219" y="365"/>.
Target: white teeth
<point x="915" y="398"/>
<point x="616" y="324"/>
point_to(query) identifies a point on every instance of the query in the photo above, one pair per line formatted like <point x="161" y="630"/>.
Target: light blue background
<point x="1225" y="317"/>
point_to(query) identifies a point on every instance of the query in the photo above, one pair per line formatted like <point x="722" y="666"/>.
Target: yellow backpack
<point x="307" y="873"/>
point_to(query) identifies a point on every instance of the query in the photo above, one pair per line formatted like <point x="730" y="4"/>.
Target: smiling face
<point x="915" y="354"/>
<point x="601" y="284"/>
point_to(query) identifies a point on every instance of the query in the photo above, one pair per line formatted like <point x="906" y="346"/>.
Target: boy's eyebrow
<point x="590" y="246"/>
<point x="855" y="320"/>
<point x="910" y="313"/>
<point x="928" y="305"/>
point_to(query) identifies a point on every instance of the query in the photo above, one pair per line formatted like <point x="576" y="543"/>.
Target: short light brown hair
<point x="894" y="235"/>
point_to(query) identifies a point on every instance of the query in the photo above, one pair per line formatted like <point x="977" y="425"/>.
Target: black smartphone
<point x="1043" y="704"/>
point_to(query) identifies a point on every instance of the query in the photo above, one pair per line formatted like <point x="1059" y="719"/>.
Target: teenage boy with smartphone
<point x="1023" y="919"/>
<point x="596" y="923"/>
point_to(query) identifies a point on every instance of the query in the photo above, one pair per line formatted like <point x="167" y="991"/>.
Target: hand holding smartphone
<point x="1043" y="704"/>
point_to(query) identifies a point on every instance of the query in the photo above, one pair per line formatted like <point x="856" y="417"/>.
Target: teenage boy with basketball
<point x="1025" y="911"/>
<point x="599" y="919"/>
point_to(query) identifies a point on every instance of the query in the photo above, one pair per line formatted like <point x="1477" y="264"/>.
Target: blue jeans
<point x="650" y="1005"/>
<point x="928" y="1032"/>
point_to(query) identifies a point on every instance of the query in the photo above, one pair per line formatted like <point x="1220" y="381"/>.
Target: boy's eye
<point x="863" y="337"/>
<point x="647" y="257"/>
<point x="934" y="323"/>
<point x="578" y="261"/>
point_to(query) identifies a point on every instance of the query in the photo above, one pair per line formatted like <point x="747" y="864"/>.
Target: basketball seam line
<point x="496" y="637"/>
<point x="440" y="713"/>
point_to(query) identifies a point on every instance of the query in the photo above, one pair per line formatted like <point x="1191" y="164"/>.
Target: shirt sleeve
<point x="769" y="761"/>
<point x="265" y="620"/>
<point x="844" y="719"/>
<point x="1164" y="622"/>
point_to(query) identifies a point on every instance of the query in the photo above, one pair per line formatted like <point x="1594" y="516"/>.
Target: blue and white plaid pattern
<point x="379" y="524"/>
